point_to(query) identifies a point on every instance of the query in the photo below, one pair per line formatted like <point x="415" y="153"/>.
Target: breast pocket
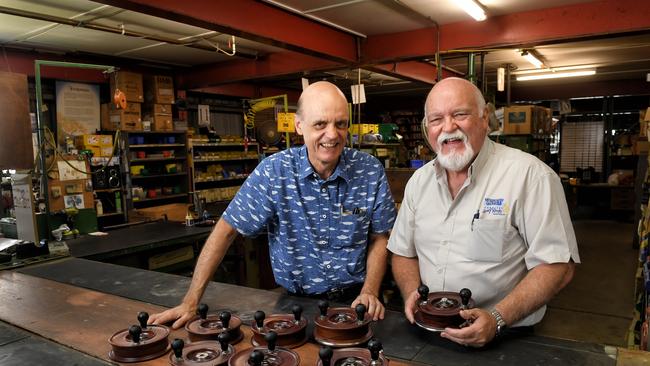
<point x="486" y="240"/>
<point x="352" y="229"/>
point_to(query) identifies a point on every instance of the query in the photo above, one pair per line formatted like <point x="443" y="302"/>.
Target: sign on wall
<point x="77" y="109"/>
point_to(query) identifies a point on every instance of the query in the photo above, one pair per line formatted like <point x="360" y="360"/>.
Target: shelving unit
<point x="157" y="168"/>
<point x="108" y="188"/>
<point x="409" y="126"/>
<point x="219" y="168"/>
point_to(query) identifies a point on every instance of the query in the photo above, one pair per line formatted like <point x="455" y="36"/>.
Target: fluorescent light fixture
<point x="473" y="8"/>
<point x="501" y="79"/>
<point x="554" y="75"/>
<point x="554" y="69"/>
<point x="532" y="59"/>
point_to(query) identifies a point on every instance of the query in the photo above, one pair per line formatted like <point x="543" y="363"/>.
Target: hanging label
<point x="358" y="94"/>
<point x="286" y="122"/>
<point x="204" y="115"/>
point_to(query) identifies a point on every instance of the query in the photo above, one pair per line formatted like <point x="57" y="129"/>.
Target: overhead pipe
<point x="107" y="29"/>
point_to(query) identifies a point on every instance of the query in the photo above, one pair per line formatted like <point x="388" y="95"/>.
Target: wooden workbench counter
<point x="80" y="304"/>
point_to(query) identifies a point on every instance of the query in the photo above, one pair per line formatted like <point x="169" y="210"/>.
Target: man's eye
<point x="319" y="124"/>
<point x="435" y="121"/>
<point x="342" y="124"/>
<point x="461" y="115"/>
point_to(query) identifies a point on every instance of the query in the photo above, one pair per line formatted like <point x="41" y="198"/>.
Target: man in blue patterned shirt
<point x="327" y="208"/>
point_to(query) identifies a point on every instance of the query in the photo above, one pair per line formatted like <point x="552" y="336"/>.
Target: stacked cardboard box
<point x="159" y="89"/>
<point x="160" y="116"/>
<point x="129" y="118"/>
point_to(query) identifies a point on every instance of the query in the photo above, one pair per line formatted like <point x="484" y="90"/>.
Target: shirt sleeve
<point x="401" y="238"/>
<point x="545" y="224"/>
<point x="252" y="208"/>
<point x="383" y="211"/>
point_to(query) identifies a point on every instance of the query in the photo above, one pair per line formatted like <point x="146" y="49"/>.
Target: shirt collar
<point x="306" y="170"/>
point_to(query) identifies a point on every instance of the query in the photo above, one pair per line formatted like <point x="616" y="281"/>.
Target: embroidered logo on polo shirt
<point x="495" y="206"/>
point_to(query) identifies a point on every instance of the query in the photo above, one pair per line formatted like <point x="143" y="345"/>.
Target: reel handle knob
<point x="423" y="290"/>
<point x="223" y="339"/>
<point x="465" y="295"/>
<point x="297" y="312"/>
<point x="374" y="346"/>
<point x="256" y="358"/>
<point x="225" y="319"/>
<point x="143" y="318"/>
<point x="259" y="319"/>
<point x="325" y="355"/>
<point x="323" y="305"/>
<point x="134" y="332"/>
<point x="177" y="346"/>
<point x="203" y="310"/>
<point x="271" y="339"/>
<point x="360" y="309"/>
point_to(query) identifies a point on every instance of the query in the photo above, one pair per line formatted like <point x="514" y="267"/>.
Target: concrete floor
<point x="597" y="306"/>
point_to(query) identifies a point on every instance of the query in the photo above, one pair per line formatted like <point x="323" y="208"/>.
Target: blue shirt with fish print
<point x="318" y="229"/>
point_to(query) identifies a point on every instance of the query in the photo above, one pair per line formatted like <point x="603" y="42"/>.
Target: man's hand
<point x="180" y="315"/>
<point x="410" y="304"/>
<point x="374" y="307"/>
<point x="478" y="334"/>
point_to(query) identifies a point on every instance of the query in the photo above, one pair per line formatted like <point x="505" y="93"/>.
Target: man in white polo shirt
<point x="482" y="216"/>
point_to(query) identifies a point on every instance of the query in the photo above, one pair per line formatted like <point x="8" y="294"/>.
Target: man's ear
<point x="298" y="125"/>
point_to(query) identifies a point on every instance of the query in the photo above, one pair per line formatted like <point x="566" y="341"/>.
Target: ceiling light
<point x="554" y="69"/>
<point x="501" y="79"/>
<point x="473" y="8"/>
<point x="554" y="75"/>
<point x="532" y="59"/>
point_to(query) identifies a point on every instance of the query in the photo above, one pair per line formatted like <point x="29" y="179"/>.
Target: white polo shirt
<point x="509" y="216"/>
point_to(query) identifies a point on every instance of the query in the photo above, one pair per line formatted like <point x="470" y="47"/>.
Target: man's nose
<point x="449" y="124"/>
<point x="330" y="130"/>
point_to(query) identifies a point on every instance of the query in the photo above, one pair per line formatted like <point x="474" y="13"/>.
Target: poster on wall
<point x="77" y="109"/>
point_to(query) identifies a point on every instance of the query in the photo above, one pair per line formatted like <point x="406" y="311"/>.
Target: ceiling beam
<point x="411" y="70"/>
<point x="248" y="90"/>
<point x="583" y="21"/>
<point x="253" y="20"/>
<point x="274" y="64"/>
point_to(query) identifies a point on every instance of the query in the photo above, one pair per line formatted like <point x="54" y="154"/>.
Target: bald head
<point x="318" y="97"/>
<point x="456" y="84"/>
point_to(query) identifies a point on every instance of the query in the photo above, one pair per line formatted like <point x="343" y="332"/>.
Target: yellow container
<point x="136" y="169"/>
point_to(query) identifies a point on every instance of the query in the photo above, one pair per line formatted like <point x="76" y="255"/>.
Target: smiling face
<point x="456" y="122"/>
<point x="322" y="120"/>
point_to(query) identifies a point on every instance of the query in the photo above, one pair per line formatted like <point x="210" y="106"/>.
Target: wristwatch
<point x="501" y="324"/>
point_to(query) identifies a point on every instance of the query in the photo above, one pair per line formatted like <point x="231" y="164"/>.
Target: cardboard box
<point x="159" y="89"/>
<point x="160" y="116"/>
<point x="93" y="140"/>
<point x="130" y="83"/>
<point x="526" y="119"/>
<point x="128" y="119"/>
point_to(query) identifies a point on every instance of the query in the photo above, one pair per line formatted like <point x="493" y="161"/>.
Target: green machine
<point x="388" y="132"/>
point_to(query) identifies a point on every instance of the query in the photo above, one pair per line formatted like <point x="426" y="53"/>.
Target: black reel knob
<point x="297" y="312"/>
<point x="203" y="311"/>
<point x="223" y="338"/>
<point x="325" y="355"/>
<point x="374" y="346"/>
<point x="225" y="319"/>
<point x="271" y="339"/>
<point x="256" y="358"/>
<point x="323" y="305"/>
<point x="361" y="312"/>
<point x="259" y="319"/>
<point x="134" y="332"/>
<point x="465" y="295"/>
<point x="177" y="346"/>
<point x="424" y="292"/>
<point x="143" y="318"/>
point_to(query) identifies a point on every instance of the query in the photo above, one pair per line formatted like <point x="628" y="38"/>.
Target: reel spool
<point x="342" y="326"/>
<point x="440" y="310"/>
<point x="139" y="342"/>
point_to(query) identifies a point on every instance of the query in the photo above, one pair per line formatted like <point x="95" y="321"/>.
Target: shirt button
<point x="328" y="266"/>
<point x="444" y="242"/>
<point x="324" y="216"/>
<point x="439" y="270"/>
<point x="323" y="190"/>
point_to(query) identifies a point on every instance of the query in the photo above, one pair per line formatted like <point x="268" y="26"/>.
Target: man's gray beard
<point x="456" y="161"/>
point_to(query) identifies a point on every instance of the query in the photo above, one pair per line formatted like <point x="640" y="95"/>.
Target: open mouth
<point x="452" y="140"/>
<point x="329" y="145"/>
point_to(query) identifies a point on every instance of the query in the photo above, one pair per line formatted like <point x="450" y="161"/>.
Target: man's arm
<point x="214" y="250"/>
<point x="537" y="288"/>
<point x="376" y="261"/>
<point x="406" y="272"/>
